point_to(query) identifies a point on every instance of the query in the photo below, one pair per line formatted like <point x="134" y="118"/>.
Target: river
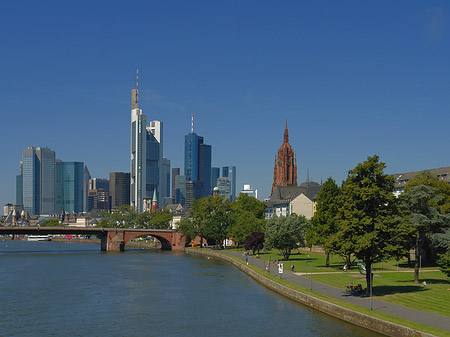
<point x="73" y="289"/>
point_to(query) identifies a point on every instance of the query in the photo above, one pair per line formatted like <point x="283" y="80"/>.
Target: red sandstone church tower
<point x="285" y="169"/>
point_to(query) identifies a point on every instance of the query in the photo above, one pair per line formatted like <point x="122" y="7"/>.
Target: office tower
<point x="138" y="152"/>
<point x="175" y="173"/>
<point x="99" y="184"/>
<point x="204" y="167"/>
<point x="38" y="180"/>
<point x="119" y="189"/>
<point x="180" y="190"/>
<point x="249" y="191"/>
<point x="86" y="178"/>
<point x="154" y="159"/>
<point x="165" y="182"/>
<point x="99" y="200"/>
<point x="146" y="154"/>
<point x="230" y="172"/>
<point x="19" y="188"/>
<point x="69" y="187"/>
<point x="215" y="174"/>
<point x="224" y="186"/>
<point x="197" y="164"/>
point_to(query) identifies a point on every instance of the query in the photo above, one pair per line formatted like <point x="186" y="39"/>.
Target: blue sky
<point x="353" y="79"/>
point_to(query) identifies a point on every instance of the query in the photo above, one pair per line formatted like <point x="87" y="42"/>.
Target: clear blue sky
<point x="353" y="79"/>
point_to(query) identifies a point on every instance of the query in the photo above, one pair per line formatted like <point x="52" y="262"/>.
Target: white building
<point x="146" y="155"/>
<point x="249" y="191"/>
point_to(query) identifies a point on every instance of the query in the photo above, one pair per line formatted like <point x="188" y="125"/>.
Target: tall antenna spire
<point x="137" y="86"/>
<point x="192" y="123"/>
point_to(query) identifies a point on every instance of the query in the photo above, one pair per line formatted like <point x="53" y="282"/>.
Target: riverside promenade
<point x="426" y="318"/>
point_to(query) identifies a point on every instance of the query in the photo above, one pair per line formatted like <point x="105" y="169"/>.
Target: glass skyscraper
<point x="37" y="181"/>
<point x="197" y="165"/>
<point x="230" y="172"/>
<point x="69" y="186"/>
<point x="146" y="155"/>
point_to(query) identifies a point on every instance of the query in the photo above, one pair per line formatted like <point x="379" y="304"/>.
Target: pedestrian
<point x="292" y="268"/>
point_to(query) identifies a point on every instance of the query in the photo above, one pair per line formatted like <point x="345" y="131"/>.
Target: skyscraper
<point x="197" y="164"/>
<point x="215" y="174"/>
<point x="119" y="189"/>
<point x="69" y="187"/>
<point x="175" y="173"/>
<point x="38" y="180"/>
<point x="146" y="154"/>
<point x="154" y="159"/>
<point x="230" y="172"/>
<point x="165" y="182"/>
<point x="138" y="151"/>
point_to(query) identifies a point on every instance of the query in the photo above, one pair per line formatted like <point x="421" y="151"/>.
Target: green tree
<point x="154" y="220"/>
<point x="442" y="203"/>
<point x="188" y="228"/>
<point x="124" y="217"/>
<point x="420" y="212"/>
<point x="211" y="218"/>
<point x="161" y="219"/>
<point x="323" y="223"/>
<point x="368" y="222"/>
<point x="246" y="217"/>
<point x="286" y="233"/>
<point x="50" y="223"/>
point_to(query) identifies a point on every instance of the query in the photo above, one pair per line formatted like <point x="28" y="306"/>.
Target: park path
<point x="434" y="320"/>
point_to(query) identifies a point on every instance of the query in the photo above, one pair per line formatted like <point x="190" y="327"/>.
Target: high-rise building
<point x="215" y="174"/>
<point x="165" y="181"/>
<point x="119" y="189"/>
<point x="146" y="154"/>
<point x="175" y="173"/>
<point x="38" y="180"/>
<point x="180" y="190"/>
<point x="224" y="186"/>
<point x="249" y="191"/>
<point x="154" y="159"/>
<point x="285" y="168"/>
<point x="197" y="164"/>
<point x="99" y="184"/>
<point x="69" y="187"/>
<point x="19" y="186"/>
<point x="204" y="170"/>
<point x="86" y="178"/>
<point x="230" y="172"/>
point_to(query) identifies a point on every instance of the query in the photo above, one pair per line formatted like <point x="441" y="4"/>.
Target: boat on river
<point x="39" y="238"/>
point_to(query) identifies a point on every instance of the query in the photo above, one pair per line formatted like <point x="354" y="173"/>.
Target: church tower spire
<point x="285" y="168"/>
<point x="286" y="134"/>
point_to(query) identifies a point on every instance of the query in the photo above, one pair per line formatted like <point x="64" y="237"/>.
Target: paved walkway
<point x="434" y="320"/>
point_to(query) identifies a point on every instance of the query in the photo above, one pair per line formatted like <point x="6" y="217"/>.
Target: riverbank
<point x="391" y="325"/>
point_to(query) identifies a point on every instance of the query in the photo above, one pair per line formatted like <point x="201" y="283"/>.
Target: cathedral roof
<point x="285" y="194"/>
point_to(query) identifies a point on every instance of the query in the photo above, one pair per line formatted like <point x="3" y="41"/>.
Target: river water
<point x="73" y="289"/>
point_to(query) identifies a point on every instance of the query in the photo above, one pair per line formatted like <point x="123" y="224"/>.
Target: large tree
<point x="368" y="222"/>
<point x="442" y="189"/>
<point x="286" y="233"/>
<point x="247" y="217"/>
<point x="323" y="223"/>
<point x="211" y="217"/>
<point x="420" y="211"/>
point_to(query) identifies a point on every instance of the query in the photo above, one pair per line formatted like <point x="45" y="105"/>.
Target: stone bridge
<point x="112" y="239"/>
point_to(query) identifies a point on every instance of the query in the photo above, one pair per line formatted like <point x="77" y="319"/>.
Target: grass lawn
<point x="392" y="283"/>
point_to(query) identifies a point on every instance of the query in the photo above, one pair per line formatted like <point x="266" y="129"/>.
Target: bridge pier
<point x="112" y="242"/>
